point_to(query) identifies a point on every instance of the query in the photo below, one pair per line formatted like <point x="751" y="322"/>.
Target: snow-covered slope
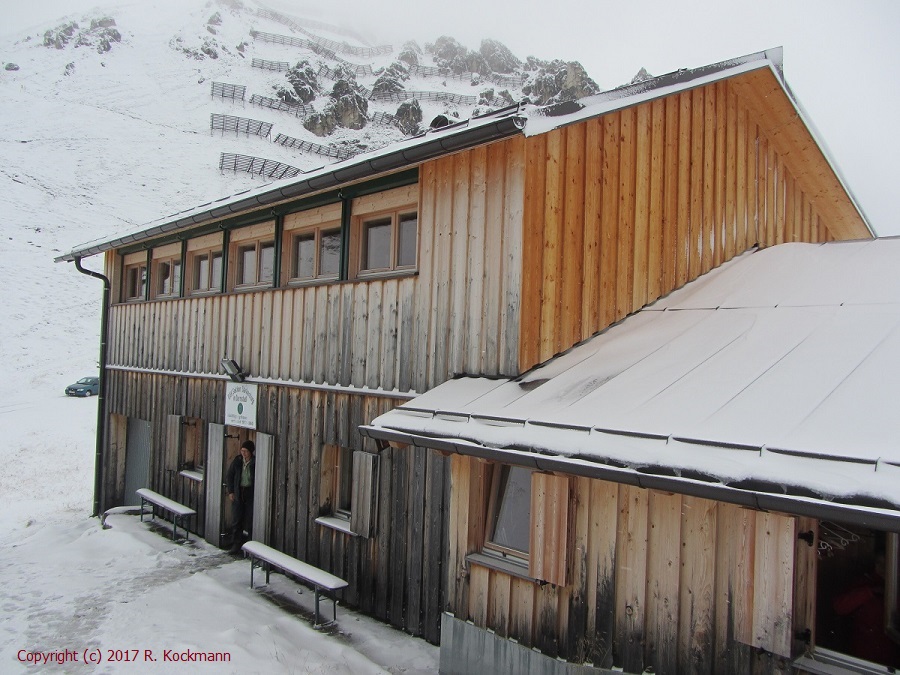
<point x="108" y="127"/>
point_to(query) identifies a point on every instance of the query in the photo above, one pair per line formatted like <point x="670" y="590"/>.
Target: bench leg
<point x="317" y="606"/>
<point x="252" y="564"/>
<point x="143" y="502"/>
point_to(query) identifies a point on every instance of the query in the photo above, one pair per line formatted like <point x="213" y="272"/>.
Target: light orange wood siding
<point x="653" y="579"/>
<point x="663" y="192"/>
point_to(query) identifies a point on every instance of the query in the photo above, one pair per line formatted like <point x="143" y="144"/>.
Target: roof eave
<point x="862" y="516"/>
<point x="339" y="174"/>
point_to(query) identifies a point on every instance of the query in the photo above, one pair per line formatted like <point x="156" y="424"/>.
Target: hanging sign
<point x="240" y="404"/>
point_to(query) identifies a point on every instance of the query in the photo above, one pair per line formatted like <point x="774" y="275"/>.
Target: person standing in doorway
<point x="239" y="486"/>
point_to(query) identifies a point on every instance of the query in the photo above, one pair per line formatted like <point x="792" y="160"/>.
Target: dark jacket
<point x="233" y="477"/>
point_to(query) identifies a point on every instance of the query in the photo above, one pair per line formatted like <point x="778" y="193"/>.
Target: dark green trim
<point x="344" y="272"/>
<point x="148" y="279"/>
<point x="400" y="179"/>
<point x="183" y="268"/>
<point x="276" y="264"/>
<point x="226" y="242"/>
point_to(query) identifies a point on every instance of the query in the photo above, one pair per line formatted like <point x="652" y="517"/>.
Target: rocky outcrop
<point x="642" y="76"/>
<point x="60" y="36"/>
<point x="450" y="54"/>
<point x="559" y="81"/>
<point x="498" y="57"/>
<point x="304" y="84"/>
<point x="408" y="117"/>
<point x="321" y="124"/>
<point x="391" y="80"/>
<point x="101" y="34"/>
<point x="350" y="111"/>
<point x="410" y="53"/>
<point x="11" y="66"/>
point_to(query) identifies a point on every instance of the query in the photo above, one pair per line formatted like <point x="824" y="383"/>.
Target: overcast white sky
<point x="842" y="59"/>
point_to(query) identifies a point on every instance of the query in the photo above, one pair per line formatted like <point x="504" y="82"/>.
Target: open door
<point x="215" y="481"/>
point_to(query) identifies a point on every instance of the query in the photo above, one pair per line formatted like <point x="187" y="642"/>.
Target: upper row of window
<point x="383" y="239"/>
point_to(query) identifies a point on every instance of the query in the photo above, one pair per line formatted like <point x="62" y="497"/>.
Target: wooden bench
<point x="178" y="511"/>
<point x="267" y="557"/>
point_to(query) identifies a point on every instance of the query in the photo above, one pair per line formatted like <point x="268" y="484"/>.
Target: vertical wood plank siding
<point x="299" y="420"/>
<point x="459" y="314"/>
<point x="661" y="193"/>
<point x="676" y="583"/>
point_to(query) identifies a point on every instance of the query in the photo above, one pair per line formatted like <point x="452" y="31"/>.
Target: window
<point x="252" y="257"/>
<point x="857" y="599"/>
<point x="255" y="263"/>
<point x="508" y="526"/>
<point x="316" y="254"/>
<point x="385" y="232"/>
<point x="206" y="267"/>
<point x="312" y="245"/>
<point x="388" y="242"/>
<point x="204" y="264"/>
<point x="134" y="277"/>
<point x="522" y="525"/>
<point x="165" y="274"/>
<point x="348" y="490"/>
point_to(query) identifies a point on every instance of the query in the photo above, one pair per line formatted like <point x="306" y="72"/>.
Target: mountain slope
<point x="107" y="127"/>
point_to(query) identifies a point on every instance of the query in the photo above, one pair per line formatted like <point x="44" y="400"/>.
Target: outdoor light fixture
<point x="233" y="370"/>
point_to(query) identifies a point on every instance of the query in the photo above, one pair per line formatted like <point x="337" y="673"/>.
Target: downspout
<point x="101" y="394"/>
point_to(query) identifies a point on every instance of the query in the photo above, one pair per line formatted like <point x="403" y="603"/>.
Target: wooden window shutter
<point x="773" y="583"/>
<point x="173" y="442"/>
<point x="548" y="557"/>
<point x="364" y="504"/>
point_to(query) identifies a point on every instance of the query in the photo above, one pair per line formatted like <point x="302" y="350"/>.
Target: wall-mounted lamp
<point x="233" y="370"/>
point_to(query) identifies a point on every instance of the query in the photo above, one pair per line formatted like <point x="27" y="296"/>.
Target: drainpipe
<point x="101" y="395"/>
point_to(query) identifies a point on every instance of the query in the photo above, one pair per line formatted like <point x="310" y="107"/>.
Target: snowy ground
<point x="129" y="592"/>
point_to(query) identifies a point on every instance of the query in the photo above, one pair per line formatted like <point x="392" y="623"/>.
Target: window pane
<point x="377" y="244"/>
<point x="246" y="259"/>
<point x="266" y="262"/>
<point x="345" y="480"/>
<point x="164" y="281"/>
<point x="201" y="272"/>
<point x="132" y="282"/>
<point x="406" y="245"/>
<point x="304" y="256"/>
<point x="176" y="277"/>
<point x="215" y="275"/>
<point x="513" y="524"/>
<point x="330" y="253"/>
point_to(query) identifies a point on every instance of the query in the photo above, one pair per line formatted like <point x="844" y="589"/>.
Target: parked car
<point x="86" y="386"/>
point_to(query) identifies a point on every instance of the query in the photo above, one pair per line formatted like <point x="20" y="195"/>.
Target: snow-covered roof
<point x="530" y="120"/>
<point x="778" y="372"/>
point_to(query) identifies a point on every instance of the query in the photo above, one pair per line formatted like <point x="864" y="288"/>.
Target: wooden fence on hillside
<point x="225" y="90"/>
<point x="239" y="125"/>
<point x="259" y="166"/>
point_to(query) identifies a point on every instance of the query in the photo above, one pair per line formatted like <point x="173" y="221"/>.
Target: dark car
<point x="86" y="386"/>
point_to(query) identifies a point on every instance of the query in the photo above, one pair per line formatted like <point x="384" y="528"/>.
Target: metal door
<point x="137" y="460"/>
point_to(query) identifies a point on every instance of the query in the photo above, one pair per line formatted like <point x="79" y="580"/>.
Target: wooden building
<point x="484" y="248"/>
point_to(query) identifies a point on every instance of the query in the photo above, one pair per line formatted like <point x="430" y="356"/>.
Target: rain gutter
<point x="101" y="392"/>
<point x="351" y="171"/>
<point x="868" y="517"/>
